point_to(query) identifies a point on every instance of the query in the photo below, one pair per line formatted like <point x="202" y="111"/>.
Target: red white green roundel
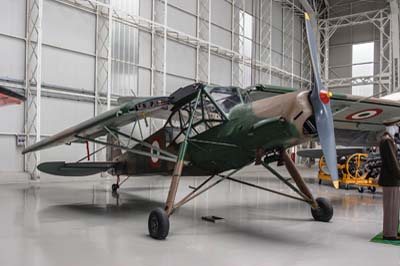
<point x="364" y="114"/>
<point x="154" y="160"/>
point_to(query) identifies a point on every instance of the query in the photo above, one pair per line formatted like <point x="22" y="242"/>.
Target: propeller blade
<point x="322" y="110"/>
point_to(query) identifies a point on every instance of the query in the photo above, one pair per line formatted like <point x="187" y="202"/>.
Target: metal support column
<point x="238" y="16"/>
<point x="288" y="41"/>
<point x="33" y="82"/>
<point x="103" y="57"/>
<point x="266" y="40"/>
<point x="203" y="54"/>
<point x="159" y="48"/>
<point x="394" y="20"/>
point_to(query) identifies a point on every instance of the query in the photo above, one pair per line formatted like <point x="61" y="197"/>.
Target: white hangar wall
<point x="72" y="57"/>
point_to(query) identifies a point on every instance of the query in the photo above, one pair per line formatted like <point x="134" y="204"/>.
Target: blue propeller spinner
<point x="322" y="110"/>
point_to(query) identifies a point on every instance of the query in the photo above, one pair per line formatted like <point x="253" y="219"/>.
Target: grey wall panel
<point x="11" y="159"/>
<point x="297" y="51"/>
<point x="12" y="17"/>
<point x="220" y="71"/>
<point x="12" y="54"/>
<point x="68" y="69"/>
<point x="298" y="28"/>
<point x="277" y="40"/>
<point x="181" y="21"/>
<point x="249" y="6"/>
<point x="144" y="49"/>
<point x="340" y="72"/>
<point x="276" y="59"/>
<point x="68" y="27"/>
<point x="276" y="15"/>
<point x="363" y="33"/>
<point x="297" y="68"/>
<point x="144" y="82"/>
<point x="12" y="119"/>
<point x="59" y="114"/>
<point x="221" y="37"/>
<point x="340" y="55"/>
<point x="187" y="5"/>
<point x="181" y="59"/>
<point x="276" y="80"/>
<point x="341" y="36"/>
<point x="221" y="13"/>
<point x="174" y="83"/>
<point x="145" y="8"/>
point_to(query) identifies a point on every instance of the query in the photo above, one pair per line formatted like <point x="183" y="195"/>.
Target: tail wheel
<point x="324" y="212"/>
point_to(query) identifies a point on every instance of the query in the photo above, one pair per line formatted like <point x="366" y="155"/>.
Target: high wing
<point x="357" y="120"/>
<point x="10" y="97"/>
<point x="133" y="110"/>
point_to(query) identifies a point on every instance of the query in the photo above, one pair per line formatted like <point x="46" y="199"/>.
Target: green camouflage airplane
<point x="212" y="129"/>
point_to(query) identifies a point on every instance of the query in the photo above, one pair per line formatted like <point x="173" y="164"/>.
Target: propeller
<point x="320" y="98"/>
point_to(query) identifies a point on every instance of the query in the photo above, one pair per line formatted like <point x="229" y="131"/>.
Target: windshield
<point x="225" y="97"/>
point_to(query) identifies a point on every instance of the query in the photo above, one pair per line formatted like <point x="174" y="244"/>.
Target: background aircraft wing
<point x="95" y="127"/>
<point x="317" y="153"/>
<point x="10" y="97"/>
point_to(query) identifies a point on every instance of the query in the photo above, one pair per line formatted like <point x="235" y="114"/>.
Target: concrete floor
<point x="80" y="223"/>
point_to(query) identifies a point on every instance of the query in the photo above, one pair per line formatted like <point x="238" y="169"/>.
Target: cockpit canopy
<point x="213" y="108"/>
<point x="225" y="97"/>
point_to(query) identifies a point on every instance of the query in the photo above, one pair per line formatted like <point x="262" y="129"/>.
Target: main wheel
<point x="158" y="224"/>
<point x="372" y="189"/>
<point x="361" y="189"/>
<point x="324" y="212"/>
<point x="114" y="187"/>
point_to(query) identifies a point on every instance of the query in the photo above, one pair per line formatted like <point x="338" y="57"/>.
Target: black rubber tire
<point x="325" y="211"/>
<point x="114" y="187"/>
<point x="158" y="224"/>
<point x="319" y="181"/>
<point x="361" y="189"/>
<point x="372" y="189"/>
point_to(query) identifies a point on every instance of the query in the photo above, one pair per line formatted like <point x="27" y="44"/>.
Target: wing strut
<point x="180" y="162"/>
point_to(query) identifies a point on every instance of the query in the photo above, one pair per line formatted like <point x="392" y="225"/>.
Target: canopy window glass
<point x="363" y="66"/>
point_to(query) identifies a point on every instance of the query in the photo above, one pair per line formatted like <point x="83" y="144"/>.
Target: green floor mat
<point x="378" y="239"/>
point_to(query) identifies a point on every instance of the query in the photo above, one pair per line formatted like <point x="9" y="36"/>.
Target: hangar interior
<point x="73" y="59"/>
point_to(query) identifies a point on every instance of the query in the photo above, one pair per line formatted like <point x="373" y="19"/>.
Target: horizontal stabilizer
<point x="75" y="169"/>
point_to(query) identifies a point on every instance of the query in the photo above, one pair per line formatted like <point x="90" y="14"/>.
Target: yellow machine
<point x="351" y="172"/>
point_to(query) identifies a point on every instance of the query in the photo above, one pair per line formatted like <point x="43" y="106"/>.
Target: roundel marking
<point x="364" y="114"/>
<point x="154" y="160"/>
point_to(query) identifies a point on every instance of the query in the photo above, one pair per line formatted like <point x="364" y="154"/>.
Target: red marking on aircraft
<point x="364" y="114"/>
<point x="5" y="100"/>
<point x="155" y="161"/>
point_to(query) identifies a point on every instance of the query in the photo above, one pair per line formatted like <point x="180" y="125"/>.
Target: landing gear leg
<point x="321" y="208"/>
<point x="158" y="223"/>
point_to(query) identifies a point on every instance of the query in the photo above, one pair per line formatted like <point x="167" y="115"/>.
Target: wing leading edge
<point x="97" y="126"/>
